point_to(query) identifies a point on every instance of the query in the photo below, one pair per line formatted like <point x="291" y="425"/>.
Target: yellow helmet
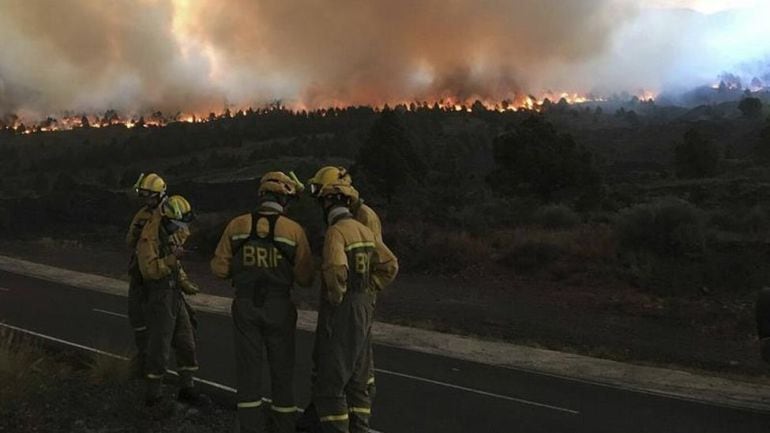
<point x="150" y="184"/>
<point x="327" y="176"/>
<point x="339" y="191"/>
<point x="177" y="208"/>
<point x="278" y="182"/>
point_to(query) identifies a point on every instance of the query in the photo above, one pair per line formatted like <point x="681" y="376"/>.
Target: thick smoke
<point x="197" y="55"/>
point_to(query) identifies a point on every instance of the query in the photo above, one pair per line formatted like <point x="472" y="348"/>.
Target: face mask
<point x="172" y="226"/>
<point x="180" y="225"/>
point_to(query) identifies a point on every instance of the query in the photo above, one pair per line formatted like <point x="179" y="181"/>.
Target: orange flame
<point x="110" y="118"/>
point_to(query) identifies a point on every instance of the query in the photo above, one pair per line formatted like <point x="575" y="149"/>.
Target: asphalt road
<point x="417" y="392"/>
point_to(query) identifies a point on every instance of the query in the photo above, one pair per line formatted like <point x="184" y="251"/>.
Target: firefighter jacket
<point x="153" y="250"/>
<point x="354" y="260"/>
<point x="368" y="217"/>
<point x="264" y="247"/>
<point x="137" y="224"/>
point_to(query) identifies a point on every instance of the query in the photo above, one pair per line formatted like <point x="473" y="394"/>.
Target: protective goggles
<point x="181" y="224"/>
<point x="145" y="193"/>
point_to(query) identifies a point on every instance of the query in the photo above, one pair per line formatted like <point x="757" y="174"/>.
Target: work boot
<point x="191" y="396"/>
<point x="153" y="392"/>
<point x="308" y="421"/>
<point x="136" y="366"/>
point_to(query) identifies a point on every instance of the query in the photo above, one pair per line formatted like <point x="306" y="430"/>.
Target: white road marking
<point x="112" y="355"/>
<point x="3" y="289"/>
<point x="59" y="340"/>
<point x="479" y="392"/>
<point x="110" y="313"/>
<point x="232" y="390"/>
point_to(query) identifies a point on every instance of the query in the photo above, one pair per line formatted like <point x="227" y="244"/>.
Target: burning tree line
<point x="14" y="124"/>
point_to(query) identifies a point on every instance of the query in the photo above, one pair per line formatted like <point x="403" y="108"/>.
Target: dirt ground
<point x="581" y="315"/>
<point x="40" y="399"/>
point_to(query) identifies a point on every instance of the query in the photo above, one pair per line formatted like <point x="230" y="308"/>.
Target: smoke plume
<point x="197" y="55"/>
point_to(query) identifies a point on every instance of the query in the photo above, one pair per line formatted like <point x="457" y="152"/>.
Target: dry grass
<point x="25" y="366"/>
<point x="19" y="354"/>
<point x="108" y="369"/>
<point x="533" y="248"/>
<point x="522" y="249"/>
<point x="21" y="362"/>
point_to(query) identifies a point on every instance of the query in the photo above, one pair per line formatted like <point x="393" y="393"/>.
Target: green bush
<point x="696" y="156"/>
<point x="753" y="220"/>
<point x="424" y="249"/>
<point x="531" y="255"/>
<point x="751" y="107"/>
<point x="556" y="217"/>
<point x="493" y="212"/>
<point x="668" y="228"/>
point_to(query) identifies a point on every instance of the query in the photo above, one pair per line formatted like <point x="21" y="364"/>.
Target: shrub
<point x="762" y="148"/>
<point x="668" y="228"/>
<point x="432" y="250"/>
<point x="531" y="254"/>
<point x="696" y="157"/>
<point x="753" y="220"/>
<point x="494" y="212"/>
<point x="751" y="107"/>
<point x="556" y="217"/>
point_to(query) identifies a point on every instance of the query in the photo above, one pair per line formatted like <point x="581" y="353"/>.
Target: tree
<point x="696" y="156"/>
<point x="751" y="107"/>
<point x="388" y="157"/>
<point x="478" y="107"/>
<point x="534" y="158"/>
<point x="110" y="117"/>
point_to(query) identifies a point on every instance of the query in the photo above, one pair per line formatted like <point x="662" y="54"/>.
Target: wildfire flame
<point x="519" y="103"/>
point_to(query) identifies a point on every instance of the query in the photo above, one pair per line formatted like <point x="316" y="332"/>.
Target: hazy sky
<point x="705" y="6"/>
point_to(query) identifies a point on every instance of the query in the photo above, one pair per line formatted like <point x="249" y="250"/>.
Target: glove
<point x="189" y="288"/>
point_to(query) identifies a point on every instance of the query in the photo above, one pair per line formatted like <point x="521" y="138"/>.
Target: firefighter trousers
<point x="310" y="416"/>
<point x="169" y="327"/>
<point x="136" y="316"/>
<point x="343" y="338"/>
<point x="265" y="327"/>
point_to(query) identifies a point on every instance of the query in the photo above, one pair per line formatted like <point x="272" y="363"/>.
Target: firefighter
<point x="264" y="253"/>
<point x="367" y="216"/>
<point x="168" y="316"/>
<point x="355" y="266"/>
<point x="151" y="188"/>
<point x="361" y="212"/>
<point x="763" y="322"/>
